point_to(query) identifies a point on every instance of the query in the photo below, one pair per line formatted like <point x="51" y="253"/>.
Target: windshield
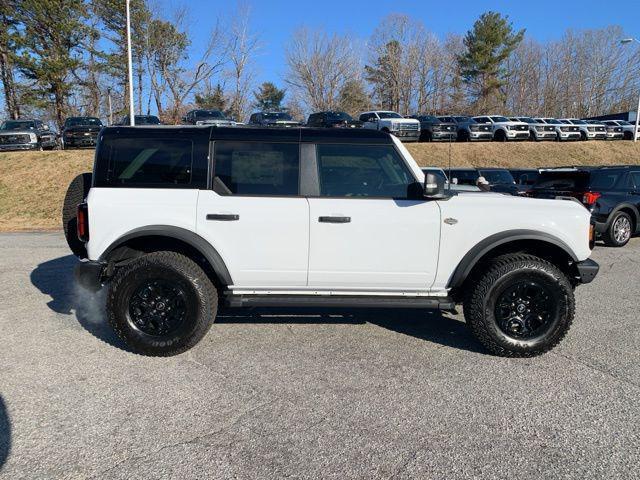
<point x="201" y="114"/>
<point x="147" y="120"/>
<point x="277" y="116"/>
<point x="339" y="116"/>
<point x="389" y="115"/>
<point x="18" y="125"/>
<point x="527" y="120"/>
<point x="75" y="121"/>
<point x="498" y="177"/>
<point x="551" y="120"/>
<point x="465" y="177"/>
<point x="578" y="122"/>
<point x="461" y="119"/>
<point x="622" y="122"/>
<point x="499" y="119"/>
<point x="570" y="181"/>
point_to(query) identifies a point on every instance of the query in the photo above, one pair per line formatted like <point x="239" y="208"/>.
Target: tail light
<point x="83" y="222"/>
<point x="590" y="198"/>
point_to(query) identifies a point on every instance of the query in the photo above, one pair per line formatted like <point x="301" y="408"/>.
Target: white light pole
<point x="635" y="130"/>
<point x="132" y="116"/>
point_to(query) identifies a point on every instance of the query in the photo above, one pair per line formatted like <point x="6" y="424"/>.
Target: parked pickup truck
<point x="406" y="129"/>
<point x="80" y="132"/>
<point x="504" y="129"/>
<point x="174" y="221"/>
<point x="26" y="135"/>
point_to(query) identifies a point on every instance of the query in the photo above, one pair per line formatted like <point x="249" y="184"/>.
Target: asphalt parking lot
<point x="305" y="394"/>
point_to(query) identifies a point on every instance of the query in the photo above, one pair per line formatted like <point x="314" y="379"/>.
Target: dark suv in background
<point x="272" y="119"/>
<point x="332" y="119"/>
<point x="80" y="132"/>
<point x="611" y="194"/>
<point x="434" y="129"/>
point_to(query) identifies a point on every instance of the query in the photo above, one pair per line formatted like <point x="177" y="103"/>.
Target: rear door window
<point x="150" y="161"/>
<point x="634" y="181"/>
<point x="256" y="168"/>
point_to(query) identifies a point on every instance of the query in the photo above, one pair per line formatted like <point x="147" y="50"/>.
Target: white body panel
<point x="267" y="247"/>
<point x="480" y="215"/>
<point x="388" y="244"/>
<point x="114" y="212"/>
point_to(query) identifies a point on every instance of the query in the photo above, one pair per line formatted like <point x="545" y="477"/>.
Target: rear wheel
<point x="161" y="304"/>
<point x="519" y="306"/>
<point x="76" y="194"/>
<point x="620" y="230"/>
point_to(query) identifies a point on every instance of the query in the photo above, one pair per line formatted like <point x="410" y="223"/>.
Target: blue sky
<point x="275" y="20"/>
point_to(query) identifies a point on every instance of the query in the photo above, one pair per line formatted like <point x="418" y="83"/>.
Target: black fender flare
<point x="187" y="236"/>
<point x="473" y="256"/>
<point x="622" y="206"/>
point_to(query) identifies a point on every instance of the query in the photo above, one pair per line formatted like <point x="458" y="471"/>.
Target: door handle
<point x="223" y="217"/>
<point x="334" y="219"/>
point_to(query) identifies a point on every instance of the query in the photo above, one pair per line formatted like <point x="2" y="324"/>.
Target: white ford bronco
<point x="175" y="220"/>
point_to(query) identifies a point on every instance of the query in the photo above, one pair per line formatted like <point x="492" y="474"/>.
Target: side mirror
<point x="433" y="185"/>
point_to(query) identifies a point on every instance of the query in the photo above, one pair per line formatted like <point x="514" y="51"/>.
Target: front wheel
<point x="620" y="230"/>
<point x="520" y="306"/>
<point x="161" y="304"/>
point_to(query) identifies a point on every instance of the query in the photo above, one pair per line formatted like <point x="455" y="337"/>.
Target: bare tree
<point x="319" y="65"/>
<point x="242" y="47"/>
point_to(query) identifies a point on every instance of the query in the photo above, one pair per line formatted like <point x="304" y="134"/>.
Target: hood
<point x="283" y="123"/>
<point x="345" y="123"/>
<point x="401" y="120"/>
<point x="25" y="131"/>
<point x="216" y="121"/>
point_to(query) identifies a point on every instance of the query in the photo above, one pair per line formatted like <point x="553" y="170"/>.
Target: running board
<point x="360" y="301"/>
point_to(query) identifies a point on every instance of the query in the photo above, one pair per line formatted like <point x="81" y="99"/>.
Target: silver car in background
<point x="627" y="128"/>
<point x="587" y="131"/>
<point x="565" y="132"/>
<point x="537" y="131"/>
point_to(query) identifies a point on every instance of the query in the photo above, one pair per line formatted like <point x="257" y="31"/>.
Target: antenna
<point x="449" y="172"/>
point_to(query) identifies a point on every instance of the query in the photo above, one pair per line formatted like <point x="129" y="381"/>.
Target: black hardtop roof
<point x="259" y="134"/>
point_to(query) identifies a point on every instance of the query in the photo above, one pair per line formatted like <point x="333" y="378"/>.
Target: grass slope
<point x="33" y="184"/>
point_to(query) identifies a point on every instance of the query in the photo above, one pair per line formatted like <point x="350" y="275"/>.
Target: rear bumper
<point x="88" y="274"/>
<point x="587" y="270"/>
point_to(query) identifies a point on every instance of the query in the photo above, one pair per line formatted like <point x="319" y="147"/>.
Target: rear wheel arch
<point x="169" y="238"/>
<point x="630" y="210"/>
<point x="535" y="243"/>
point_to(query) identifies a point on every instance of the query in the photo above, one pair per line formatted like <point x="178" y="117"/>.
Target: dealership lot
<point x="331" y="394"/>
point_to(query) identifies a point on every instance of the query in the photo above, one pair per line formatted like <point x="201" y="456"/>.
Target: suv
<point x="26" y="135"/>
<point x="406" y="129"/>
<point x="208" y="117"/>
<point x="587" y="131"/>
<point x="468" y="129"/>
<point x="537" y="130"/>
<point x="179" y="219"/>
<point x="611" y="194"/>
<point x="332" y="120"/>
<point x="433" y="129"/>
<point x="504" y="129"/>
<point x="500" y="180"/>
<point x="80" y="132"/>
<point x="272" y="119"/>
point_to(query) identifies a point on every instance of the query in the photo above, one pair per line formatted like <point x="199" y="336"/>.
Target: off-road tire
<point x="583" y="136"/>
<point x="628" y="135"/>
<point x="76" y="194"/>
<point x="200" y="301"/>
<point x="485" y="288"/>
<point x="609" y="236"/>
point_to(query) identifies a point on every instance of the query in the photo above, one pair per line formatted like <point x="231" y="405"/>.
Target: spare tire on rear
<point x="76" y="194"/>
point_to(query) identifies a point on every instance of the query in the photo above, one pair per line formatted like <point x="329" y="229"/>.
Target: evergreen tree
<point x="213" y="99"/>
<point x="488" y="45"/>
<point x="268" y="97"/>
<point x="353" y="98"/>
<point x="48" y="50"/>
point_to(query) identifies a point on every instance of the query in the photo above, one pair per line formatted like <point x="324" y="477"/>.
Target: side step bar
<point x="435" y="303"/>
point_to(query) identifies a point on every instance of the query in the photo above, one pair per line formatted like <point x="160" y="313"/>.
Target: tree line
<point x="68" y="57"/>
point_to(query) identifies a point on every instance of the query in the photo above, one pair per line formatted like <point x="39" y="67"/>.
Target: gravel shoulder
<point x="310" y="394"/>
